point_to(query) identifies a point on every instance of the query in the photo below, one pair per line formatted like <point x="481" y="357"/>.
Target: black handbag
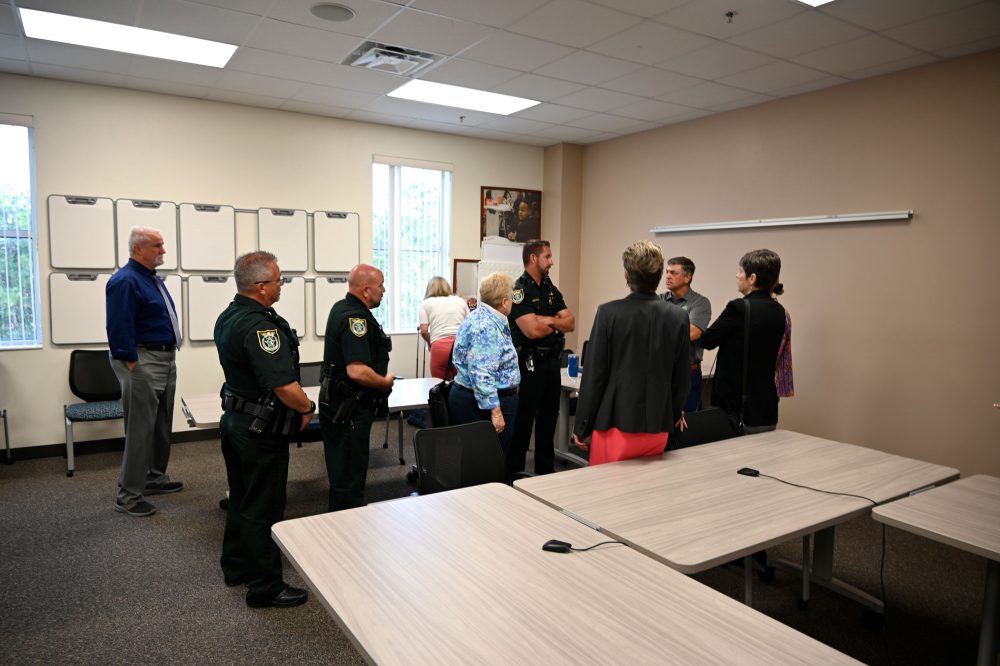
<point x="437" y="404"/>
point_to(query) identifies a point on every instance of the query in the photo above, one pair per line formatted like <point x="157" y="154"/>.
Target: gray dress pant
<point x="148" y="402"/>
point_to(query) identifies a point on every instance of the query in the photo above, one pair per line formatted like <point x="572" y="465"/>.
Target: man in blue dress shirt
<point x="143" y="335"/>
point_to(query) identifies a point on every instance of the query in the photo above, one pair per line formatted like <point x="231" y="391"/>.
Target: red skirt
<point x="614" y="445"/>
<point x="440" y="353"/>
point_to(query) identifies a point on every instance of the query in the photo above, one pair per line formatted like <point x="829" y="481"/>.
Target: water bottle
<point x="573" y="365"/>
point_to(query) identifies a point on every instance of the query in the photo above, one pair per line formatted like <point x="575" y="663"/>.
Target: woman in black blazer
<point x="638" y="375"/>
<point x="757" y="279"/>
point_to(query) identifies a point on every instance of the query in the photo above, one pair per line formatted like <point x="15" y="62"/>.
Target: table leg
<point x="6" y="437"/>
<point x="806" y="570"/>
<point x="402" y="461"/>
<point x="988" y="629"/>
<point x="562" y="432"/>
<point x="748" y="580"/>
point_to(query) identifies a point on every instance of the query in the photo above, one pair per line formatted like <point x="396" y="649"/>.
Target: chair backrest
<point x="91" y="377"/>
<point x="309" y="373"/>
<point x="458" y="456"/>
<point x="704" y="426"/>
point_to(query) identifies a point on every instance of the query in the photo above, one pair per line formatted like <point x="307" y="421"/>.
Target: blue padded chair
<point x="91" y="379"/>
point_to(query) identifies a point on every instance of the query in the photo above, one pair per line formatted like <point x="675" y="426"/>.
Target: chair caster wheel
<point x="411" y="476"/>
<point x="803" y="604"/>
<point x="69" y="474"/>
<point x="873" y="621"/>
<point x="385" y="445"/>
<point x="402" y="461"/>
<point x="224" y="504"/>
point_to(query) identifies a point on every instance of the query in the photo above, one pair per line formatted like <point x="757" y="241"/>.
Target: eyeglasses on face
<point x="269" y="281"/>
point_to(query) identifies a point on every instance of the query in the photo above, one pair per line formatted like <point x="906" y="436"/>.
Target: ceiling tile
<point x="427" y="32"/>
<point x="77" y="74"/>
<point x="487" y="12"/>
<point x="358" y="78"/>
<point x="573" y="23"/>
<point x="705" y="95"/>
<point x="8" y="26"/>
<point x="653" y="110"/>
<point x="478" y="75"/>
<point x="177" y="72"/>
<point x="269" y="63"/>
<point x="708" y="17"/>
<point x="588" y="68"/>
<point x="645" y="8"/>
<point x="440" y="128"/>
<point x="315" y="109"/>
<point x="11" y="46"/>
<point x="720" y="59"/>
<point x="971" y="47"/>
<point x="541" y="88"/>
<point x="606" y="122"/>
<point x="202" y="21"/>
<point x="515" y="125"/>
<point x="380" y="118"/>
<point x="971" y="24"/>
<point x="81" y="57"/>
<point x="301" y="41"/>
<point x="333" y="96"/>
<point x="895" y="66"/>
<point x="258" y="7"/>
<point x="14" y="66"/>
<point x="368" y="15"/>
<point x="802" y="33"/>
<point x="535" y="140"/>
<point x="114" y="11"/>
<point x="564" y="133"/>
<point x="819" y="84"/>
<point x="741" y="103"/>
<point x="167" y="87"/>
<point x="489" y="134"/>
<point x="408" y="108"/>
<point x="697" y="113"/>
<point x="850" y="56"/>
<point x="258" y="85"/>
<point x="890" y="13"/>
<point x="597" y="138"/>
<point x="650" y="43"/>
<point x="552" y="113"/>
<point x="597" y="99"/>
<point x="516" y="51"/>
<point x="773" y="76"/>
<point x="245" y="99"/>
<point x="650" y="82"/>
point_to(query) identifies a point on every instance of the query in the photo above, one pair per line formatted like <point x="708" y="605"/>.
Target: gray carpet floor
<point x="84" y="584"/>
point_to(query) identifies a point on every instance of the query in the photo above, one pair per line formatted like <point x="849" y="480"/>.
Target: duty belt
<point x="234" y="403"/>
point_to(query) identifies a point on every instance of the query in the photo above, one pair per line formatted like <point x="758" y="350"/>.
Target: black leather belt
<point x="161" y="348"/>
<point x="503" y="393"/>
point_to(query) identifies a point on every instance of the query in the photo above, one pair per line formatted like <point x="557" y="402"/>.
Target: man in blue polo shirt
<point x="143" y="335"/>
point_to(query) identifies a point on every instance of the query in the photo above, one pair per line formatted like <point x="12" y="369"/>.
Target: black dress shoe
<point x="288" y="597"/>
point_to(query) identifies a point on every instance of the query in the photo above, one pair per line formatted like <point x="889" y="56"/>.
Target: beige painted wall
<point x="895" y="324"/>
<point x="92" y="140"/>
<point x="561" y="223"/>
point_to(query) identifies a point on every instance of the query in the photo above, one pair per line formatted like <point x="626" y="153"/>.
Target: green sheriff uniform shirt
<point x="257" y="348"/>
<point x="353" y="335"/>
<point x="538" y="299"/>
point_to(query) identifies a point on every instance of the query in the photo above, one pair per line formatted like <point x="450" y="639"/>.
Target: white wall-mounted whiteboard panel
<point x="76" y="308"/>
<point x="283" y="232"/>
<point x="336" y="241"/>
<point x="208" y="237"/>
<point x="292" y="305"/>
<point x="81" y="232"/>
<point x="328" y="291"/>
<point x="207" y="297"/>
<point x="161" y="215"/>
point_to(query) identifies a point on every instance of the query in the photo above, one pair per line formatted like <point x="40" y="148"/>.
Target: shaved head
<point x="367" y="283"/>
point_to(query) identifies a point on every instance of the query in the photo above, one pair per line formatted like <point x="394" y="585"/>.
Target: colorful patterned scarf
<point x="783" y="369"/>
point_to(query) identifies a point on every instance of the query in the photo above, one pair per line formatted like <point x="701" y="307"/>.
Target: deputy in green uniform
<point x="355" y="376"/>
<point x="263" y="403"/>
<point x="539" y="319"/>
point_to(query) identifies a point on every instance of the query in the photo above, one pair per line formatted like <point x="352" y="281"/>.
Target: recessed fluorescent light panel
<point x="124" y="38"/>
<point x="462" y="98"/>
<point x="814" y="3"/>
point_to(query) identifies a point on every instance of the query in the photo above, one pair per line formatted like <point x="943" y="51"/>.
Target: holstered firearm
<point x="339" y="392"/>
<point x="270" y="414"/>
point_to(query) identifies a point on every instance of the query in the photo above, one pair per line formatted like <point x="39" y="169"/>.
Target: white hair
<point x="139" y="235"/>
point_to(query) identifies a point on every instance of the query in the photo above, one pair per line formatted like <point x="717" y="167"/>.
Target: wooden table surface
<point x="461" y="578"/>
<point x="691" y="510"/>
<point x="964" y="514"/>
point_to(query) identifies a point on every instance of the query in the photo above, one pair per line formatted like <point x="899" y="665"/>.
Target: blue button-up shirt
<point x="484" y="356"/>
<point x="136" y="312"/>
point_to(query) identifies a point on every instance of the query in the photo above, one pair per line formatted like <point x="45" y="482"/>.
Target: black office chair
<point x="309" y="376"/>
<point x="564" y="358"/>
<point x="458" y="456"/>
<point x="583" y="352"/>
<point x="704" y="426"/>
<point x="91" y="379"/>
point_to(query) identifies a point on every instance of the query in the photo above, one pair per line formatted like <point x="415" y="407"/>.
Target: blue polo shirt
<point x="135" y="311"/>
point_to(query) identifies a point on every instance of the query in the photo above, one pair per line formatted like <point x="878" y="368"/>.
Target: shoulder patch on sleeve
<point x="518" y="296"/>
<point x="269" y="340"/>
<point x="359" y="326"/>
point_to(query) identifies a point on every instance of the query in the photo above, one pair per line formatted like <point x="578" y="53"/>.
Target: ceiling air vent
<point x="392" y="59"/>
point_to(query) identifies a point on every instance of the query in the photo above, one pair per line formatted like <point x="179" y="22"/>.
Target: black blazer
<point x="638" y="373"/>
<point x="767" y="326"/>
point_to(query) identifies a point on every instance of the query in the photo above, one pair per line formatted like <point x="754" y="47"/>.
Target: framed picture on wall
<point x="511" y="213"/>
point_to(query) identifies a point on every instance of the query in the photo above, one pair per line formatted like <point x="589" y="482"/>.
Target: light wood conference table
<point x="964" y="514"/>
<point x="690" y="509"/>
<point x="461" y="578"/>
<point x="205" y="410"/>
